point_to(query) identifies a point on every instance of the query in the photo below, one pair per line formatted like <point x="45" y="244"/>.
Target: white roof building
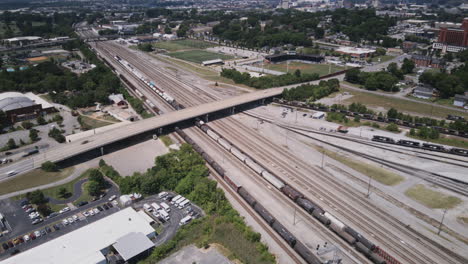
<point x="90" y="243"/>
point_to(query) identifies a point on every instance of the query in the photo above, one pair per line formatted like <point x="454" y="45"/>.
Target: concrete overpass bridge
<point x="99" y="144"/>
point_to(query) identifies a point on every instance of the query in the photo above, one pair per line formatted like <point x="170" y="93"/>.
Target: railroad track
<point x="172" y="86"/>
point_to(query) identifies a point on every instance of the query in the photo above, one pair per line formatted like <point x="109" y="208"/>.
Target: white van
<point x="175" y="199"/>
<point x="156" y="206"/>
<point x="164" y="215"/>
<point x="185" y="220"/>
<point x="162" y="194"/>
<point x="183" y="204"/>
<point x="165" y="207"/>
<point x="147" y="207"/>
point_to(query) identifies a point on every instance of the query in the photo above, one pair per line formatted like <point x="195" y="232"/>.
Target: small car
<point x="112" y="197"/>
<point x="27" y="238"/>
<point x="96" y="211"/>
<point x="33" y="236"/>
<point x="105" y="207"/>
<point x="5" y="246"/>
<point x="85" y="213"/>
<point x="91" y="212"/>
<point x="70" y="220"/>
<point x="75" y="218"/>
<point x="100" y="208"/>
<point x="64" y="222"/>
<point x="66" y="209"/>
<point x="48" y="230"/>
<point x="83" y="203"/>
<point x="110" y="205"/>
<point x="37" y="233"/>
<point x="10" y="244"/>
<point x="43" y="232"/>
<point x="56" y="227"/>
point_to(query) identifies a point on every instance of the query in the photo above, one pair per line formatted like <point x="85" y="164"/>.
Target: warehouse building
<point x="125" y="234"/>
<point x="20" y="107"/>
<point x="360" y="53"/>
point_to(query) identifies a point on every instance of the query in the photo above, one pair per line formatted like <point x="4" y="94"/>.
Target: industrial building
<point x="20" y="107"/>
<point x="126" y="233"/>
<point x="360" y="53"/>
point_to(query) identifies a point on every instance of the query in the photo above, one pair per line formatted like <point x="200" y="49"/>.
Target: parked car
<point x="110" y="205"/>
<point x="85" y="213"/>
<point x="91" y="212"/>
<point x="64" y="222"/>
<point x="112" y="197"/>
<point x="33" y="236"/>
<point x="100" y="208"/>
<point x="43" y="232"/>
<point x="70" y="220"/>
<point x="26" y="238"/>
<point x="96" y="211"/>
<point x="48" y="230"/>
<point x="56" y="227"/>
<point x="5" y="246"/>
<point x="75" y="218"/>
<point x="66" y="209"/>
<point x="37" y="221"/>
<point x="16" y="241"/>
<point x="105" y="207"/>
<point x="54" y="214"/>
<point x="37" y="233"/>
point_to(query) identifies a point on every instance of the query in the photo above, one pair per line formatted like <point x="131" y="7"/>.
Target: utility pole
<point x="442" y="221"/>
<point x="323" y="156"/>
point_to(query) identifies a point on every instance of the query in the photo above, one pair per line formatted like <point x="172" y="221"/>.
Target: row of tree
<point x="311" y="92"/>
<point x="268" y="81"/>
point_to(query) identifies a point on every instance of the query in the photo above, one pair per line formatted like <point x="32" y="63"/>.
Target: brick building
<point x="427" y="61"/>
<point x="452" y="37"/>
<point x="20" y="107"/>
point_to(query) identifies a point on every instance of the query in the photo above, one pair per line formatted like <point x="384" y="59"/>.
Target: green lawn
<point x="198" y="56"/>
<point x="90" y="123"/>
<point x="383" y="58"/>
<point x="375" y="100"/>
<point x="431" y="198"/>
<point x="185" y="44"/>
<point x="321" y="69"/>
<point x="377" y="173"/>
<point x="166" y="140"/>
<point x="32" y="179"/>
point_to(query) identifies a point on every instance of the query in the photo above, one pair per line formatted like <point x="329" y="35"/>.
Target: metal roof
<point x="13" y="101"/>
<point x="132" y="244"/>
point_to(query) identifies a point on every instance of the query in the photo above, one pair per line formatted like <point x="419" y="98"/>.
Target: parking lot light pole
<point x="442" y="221"/>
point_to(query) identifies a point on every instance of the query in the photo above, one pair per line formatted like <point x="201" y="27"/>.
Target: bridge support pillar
<point x="102" y="151"/>
<point x="233" y="110"/>
<point x="206" y="118"/>
<point x="160" y="131"/>
<point x="263" y="101"/>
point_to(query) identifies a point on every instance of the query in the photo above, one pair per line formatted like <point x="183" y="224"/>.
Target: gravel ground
<point x="191" y="254"/>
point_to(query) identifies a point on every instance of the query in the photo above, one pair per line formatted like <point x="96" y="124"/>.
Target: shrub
<point x="49" y="166"/>
<point x="392" y="127"/>
<point x="27" y="125"/>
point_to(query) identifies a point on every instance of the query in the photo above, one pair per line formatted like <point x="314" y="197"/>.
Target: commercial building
<point x="423" y="92"/>
<point x="126" y="232"/>
<point x="452" y="37"/>
<point x="360" y="53"/>
<point x="19" y="107"/>
<point x="460" y="100"/>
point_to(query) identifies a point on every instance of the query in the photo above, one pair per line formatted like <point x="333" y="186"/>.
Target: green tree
<point x="380" y="51"/>
<point x="11" y="144"/>
<point x="63" y="192"/>
<point x="33" y="135"/>
<point x="392" y="127"/>
<point x="297" y="73"/>
<point x="27" y="125"/>
<point x="408" y="66"/>
<point x="41" y="121"/>
<point x="95" y="175"/>
<point x="94" y="188"/>
<point x="36" y="197"/>
<point x="44" y="209"/>
<point x="49" y="166"/>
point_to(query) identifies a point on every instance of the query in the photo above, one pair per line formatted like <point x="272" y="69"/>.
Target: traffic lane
<point x="63" y="230"/>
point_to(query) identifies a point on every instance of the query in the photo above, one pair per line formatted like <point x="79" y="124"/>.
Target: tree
<point x="27" y="125"/>
<point x="63" y="192"/>
<point x="93" y="188"/>
<point x="392" y="127"/>
<point x="393" y="69"/>
<point x="380" y="51"/>
<point x="11" y="144"/>
<point x="297" y="73"/>
<point x="36" y="197"/>
<point x="392" y="113"/>
<point x="41" y="121"/>
<point x="33" y="135"/>
<point x="319" y="33"/>
<point x="44" y="209"/>
<point x="49" y="166"/>
<point x="408" y="66"/>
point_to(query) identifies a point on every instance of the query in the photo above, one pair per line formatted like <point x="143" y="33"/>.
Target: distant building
<point x="423" y="92"/>
<point x="20" y="41"/>
<point x="427" y="61"/>
<point x="212" y="62"/>
<point x="201" y="31"/>
<point x="20" y="107"/>
<point x="460" y="100"/>
<point x="452" y="37"/>
<point x="356" y="52"/>
<point x="118" y="99"/>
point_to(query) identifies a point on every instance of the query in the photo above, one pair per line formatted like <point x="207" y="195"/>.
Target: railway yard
<point x="311" y="207"/>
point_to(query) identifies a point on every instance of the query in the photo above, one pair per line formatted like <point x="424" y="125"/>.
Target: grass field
<point x="374" y="100"/>
<point x="463" y="219"/>
<point x="321" y="69"/>
<point x="431" y="198"/>
<point x="185" y="44"/>
<point x="166" y="140"/>
<point x="90" y="123"/>
<point x="445" y="140"/>
<point x="33" y="179"/>
<point x="198" y="56"/>
<point x="379" y="174"/>
<point x="383" y="58"/>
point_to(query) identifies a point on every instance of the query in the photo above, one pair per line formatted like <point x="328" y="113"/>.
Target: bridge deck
<point x="74" y="148"/>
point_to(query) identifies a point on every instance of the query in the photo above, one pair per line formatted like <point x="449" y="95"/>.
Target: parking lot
<point x="22" y="231"/>
<point x="23" y="235"/>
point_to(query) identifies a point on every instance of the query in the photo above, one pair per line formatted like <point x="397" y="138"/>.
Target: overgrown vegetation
<point x="267" y="81"/>
<point x="431" y="198"/>
<point x="184" y="172"/>
<point x="311" y="92"/>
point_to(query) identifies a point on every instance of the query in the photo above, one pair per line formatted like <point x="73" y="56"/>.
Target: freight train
<point x="302" y="250"/>
<point x="372" y="117"/>
<point x="345" y="232"/>
<point x="415" y="144"/>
